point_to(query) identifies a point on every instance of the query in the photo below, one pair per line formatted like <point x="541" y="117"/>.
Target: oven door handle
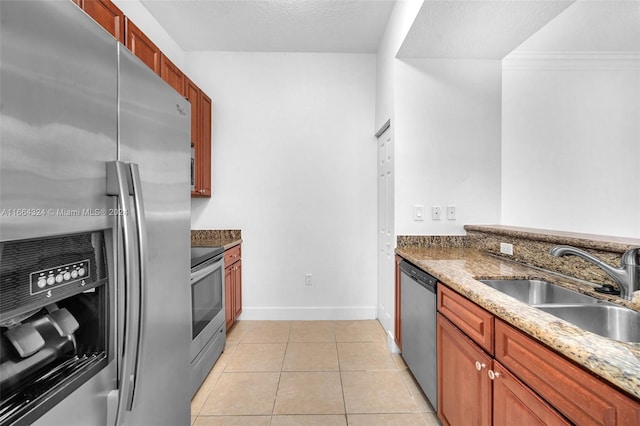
<point x="119" y="183"/>
<point x="201" y="273"/>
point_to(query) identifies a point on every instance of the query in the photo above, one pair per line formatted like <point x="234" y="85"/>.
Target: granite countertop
<point x="216" y="238"/>
<point x="459" y="268"/>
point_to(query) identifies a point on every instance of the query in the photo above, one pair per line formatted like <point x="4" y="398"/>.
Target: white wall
<point x="294" y="167"/>
<point x="398" y="25"/>
<point x="403" y="14"/>
<point x="571" y="142"/>
<point x="447" y="143"/>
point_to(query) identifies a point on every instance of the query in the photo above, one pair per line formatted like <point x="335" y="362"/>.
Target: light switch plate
<point x="418" y="212"/>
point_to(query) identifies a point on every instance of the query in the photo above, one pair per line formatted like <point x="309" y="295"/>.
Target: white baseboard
<point x="309" y="313"/>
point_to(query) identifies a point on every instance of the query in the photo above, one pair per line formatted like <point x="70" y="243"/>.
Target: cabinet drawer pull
<point x="480" y="366"/>
<point x="493" y="375"/>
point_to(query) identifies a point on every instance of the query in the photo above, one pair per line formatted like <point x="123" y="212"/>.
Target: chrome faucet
<point x="627" y="276"/>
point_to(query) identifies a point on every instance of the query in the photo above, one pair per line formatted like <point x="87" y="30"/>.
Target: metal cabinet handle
<point x="480" y="366"/>
<point x="493" y="375"/>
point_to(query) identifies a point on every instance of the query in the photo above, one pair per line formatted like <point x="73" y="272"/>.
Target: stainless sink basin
<point x="608" y="320"/>
<point x="536" y="292"/>
<point x="591" y="314"/>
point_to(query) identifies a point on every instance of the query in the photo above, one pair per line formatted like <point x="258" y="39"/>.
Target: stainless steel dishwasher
<point x="418" y="316"/>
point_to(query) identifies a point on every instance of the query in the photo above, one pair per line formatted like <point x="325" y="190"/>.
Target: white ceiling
<point x="591" y="26"/>
<point x="476" y="28"/>
<point x="488" y="29"/>
<point x="342" y="26"/>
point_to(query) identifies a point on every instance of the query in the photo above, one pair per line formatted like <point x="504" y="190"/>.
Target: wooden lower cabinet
<point x="576" y="393"/>
<point x="515" y="404"/>
<point x="397" y="330"/>
<point x="517" y="380"/>
<point x="237" y="289"/>
<point x="468" y="395"/>
<point x="232" y="285"/>
<point x="464" y="388"/>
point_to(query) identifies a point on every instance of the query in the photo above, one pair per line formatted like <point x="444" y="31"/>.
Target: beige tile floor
<point x="325" y="373"/>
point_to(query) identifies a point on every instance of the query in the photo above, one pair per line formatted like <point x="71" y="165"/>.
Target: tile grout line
<point x="344" y="401"/>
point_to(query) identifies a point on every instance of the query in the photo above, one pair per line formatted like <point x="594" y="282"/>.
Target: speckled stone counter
<point x="531" y="246"/>
<point x="226" y="238"/>
<point x="461" y="267"/>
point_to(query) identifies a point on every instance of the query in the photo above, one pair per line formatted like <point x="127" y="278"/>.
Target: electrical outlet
<point x="451" y="212"/>
<point x="506" y="248"/>
<point x="436" y="212"/>
<point x="307" y="279"/>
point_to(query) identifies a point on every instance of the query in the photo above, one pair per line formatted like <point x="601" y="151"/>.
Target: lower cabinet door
<point x="228" y="296"/>
<point x="464" y="388"/>
<point x="237" y="289"/>
<point x="515" y="404"/>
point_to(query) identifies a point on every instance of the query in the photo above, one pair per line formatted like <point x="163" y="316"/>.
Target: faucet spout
<point x="627" y="276"/>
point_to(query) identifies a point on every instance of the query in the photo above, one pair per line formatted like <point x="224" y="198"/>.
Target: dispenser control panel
<point x="58" y="276"/>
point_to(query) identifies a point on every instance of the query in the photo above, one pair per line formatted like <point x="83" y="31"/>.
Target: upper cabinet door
<point x="172" y="75"/>
<point x="142" y="46"/>
<point x="106" y="14"/>
<point x="192" y="93"/>
<point x="204" y="156"/>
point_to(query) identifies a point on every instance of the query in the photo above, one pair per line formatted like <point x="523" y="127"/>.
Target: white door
<point x="386" y="265"/>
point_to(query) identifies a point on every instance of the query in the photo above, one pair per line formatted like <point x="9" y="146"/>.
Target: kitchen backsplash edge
<point x="215" y="237"/>
<point x="531" y="247"/>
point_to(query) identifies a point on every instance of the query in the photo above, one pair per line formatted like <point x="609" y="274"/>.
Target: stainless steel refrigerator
<point x="94" y="147"/>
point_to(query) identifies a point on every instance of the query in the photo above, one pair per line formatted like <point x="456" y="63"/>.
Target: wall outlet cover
<point x="436" y="212"/>
<point x="506" y="248"/>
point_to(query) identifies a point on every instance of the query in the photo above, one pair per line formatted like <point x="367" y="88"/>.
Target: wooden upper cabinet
<point x="192" y="93"/>
<point x="172" y="75"/>
<point x="203" y="178"/>
<point x="200" y="137"/>
<point x="111" y="18"/>
<point x="106" y="14"/>
<point x="142" y="46"/>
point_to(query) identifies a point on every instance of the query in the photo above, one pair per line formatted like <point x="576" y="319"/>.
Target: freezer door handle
<point x="119" y="183"/>
<point x="141" y="233"/>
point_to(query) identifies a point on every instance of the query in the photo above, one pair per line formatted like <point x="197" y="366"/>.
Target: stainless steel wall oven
<point x="208" y="326"/>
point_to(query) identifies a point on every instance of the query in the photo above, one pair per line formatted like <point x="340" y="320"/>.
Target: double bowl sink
<point x="589" y="313"/>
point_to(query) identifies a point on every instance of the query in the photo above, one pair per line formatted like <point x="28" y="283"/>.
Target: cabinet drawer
<point x="577" y="394"/>
<point x="474" y="321"/>
<point x="232" y="255"/>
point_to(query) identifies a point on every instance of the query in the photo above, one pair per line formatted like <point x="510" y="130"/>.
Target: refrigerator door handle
<point x="119" y="184"/>
<point x="141" y="232"/>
